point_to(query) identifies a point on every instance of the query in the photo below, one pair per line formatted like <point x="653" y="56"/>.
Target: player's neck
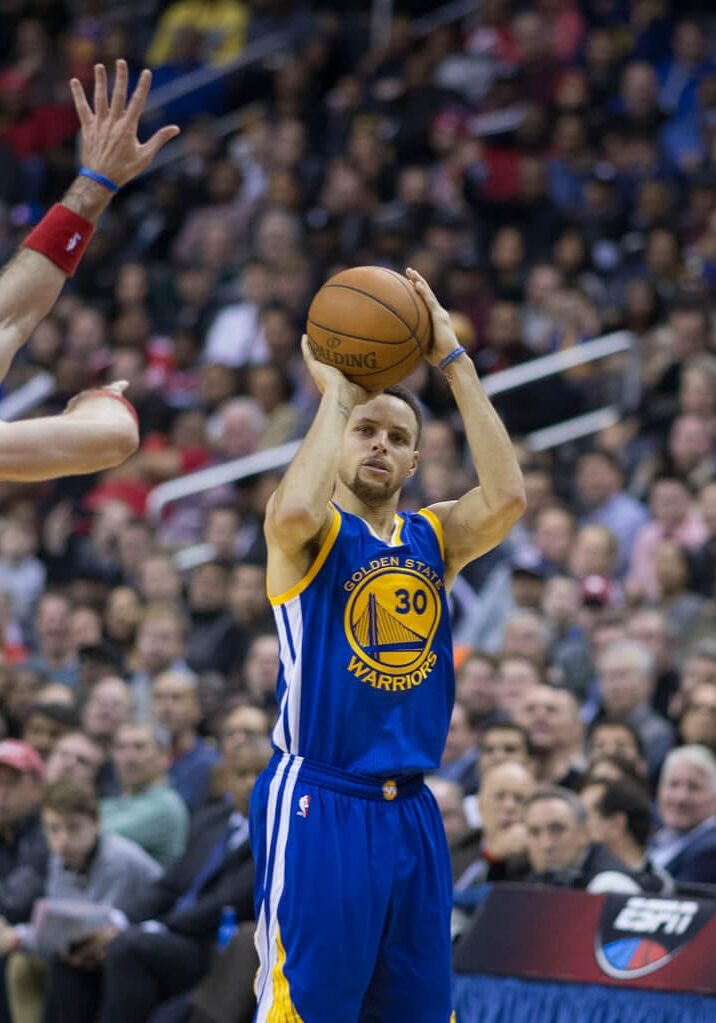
<point x="380" y="518"/>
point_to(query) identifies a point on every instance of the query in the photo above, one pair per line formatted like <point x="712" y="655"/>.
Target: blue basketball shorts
<point x="353" y="898"/>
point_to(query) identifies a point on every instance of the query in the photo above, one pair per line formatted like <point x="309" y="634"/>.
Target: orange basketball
<point x="371" y="324"/>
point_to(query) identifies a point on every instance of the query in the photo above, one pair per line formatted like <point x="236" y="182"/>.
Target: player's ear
<point x="414" y="464"/>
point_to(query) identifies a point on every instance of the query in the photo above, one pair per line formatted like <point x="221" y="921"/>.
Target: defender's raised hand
<point x="110" y="146"/>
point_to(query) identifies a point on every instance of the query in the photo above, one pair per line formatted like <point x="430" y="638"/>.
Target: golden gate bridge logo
<point x="379" y="632"/>
<point x="391" y="619"/>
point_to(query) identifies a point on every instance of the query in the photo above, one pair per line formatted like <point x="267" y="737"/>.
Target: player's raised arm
<point x="297" y="511"/>
<point x="111" y="156"/>
<point x="484" y="516"/>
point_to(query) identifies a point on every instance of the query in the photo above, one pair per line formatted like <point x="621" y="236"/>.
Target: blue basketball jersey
<point x="366" y="681"/>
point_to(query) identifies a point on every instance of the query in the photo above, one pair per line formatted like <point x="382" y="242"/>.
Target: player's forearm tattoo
<point x="344" y="409"/>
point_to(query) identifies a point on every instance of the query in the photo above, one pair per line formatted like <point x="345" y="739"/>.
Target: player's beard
<point x="371" y="493"/>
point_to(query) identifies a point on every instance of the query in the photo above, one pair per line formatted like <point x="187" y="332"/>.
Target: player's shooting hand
<point x="109" y="132"/>
<point x="327" y="378"/>
<point x="444" y="337"/>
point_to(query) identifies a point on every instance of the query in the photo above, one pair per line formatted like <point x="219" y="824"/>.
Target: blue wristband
<point x="454" y="354"/>
<point x="87" y="172"/>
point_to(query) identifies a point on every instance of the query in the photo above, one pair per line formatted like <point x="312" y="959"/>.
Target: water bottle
<point x="227" y="927"/>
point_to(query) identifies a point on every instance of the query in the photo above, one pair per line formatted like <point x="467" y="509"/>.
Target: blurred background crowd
<point x="551" y="170"/>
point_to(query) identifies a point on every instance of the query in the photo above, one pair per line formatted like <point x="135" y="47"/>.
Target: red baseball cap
<point x="21" y="757"/>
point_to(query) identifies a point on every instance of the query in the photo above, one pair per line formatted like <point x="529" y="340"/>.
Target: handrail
<point x="192" y="80"/>
<point x="547" y="365"/>
<point x="497" y="383"/>
<point x="222" y="126"/>
<point x="572" y="429"/>
<point x="541" y="440"/>
<point x="230" y="122"/>
<point x="217" y="475"/>
<point x="444" y="15"/>
<point x="29" y="396"/>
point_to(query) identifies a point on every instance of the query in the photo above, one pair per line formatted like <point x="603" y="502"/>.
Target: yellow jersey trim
<point x="437" y="526"/>
<point x="397" y="531"/>
<point x="282" y="1008"/>
<point x="317" y="565"/>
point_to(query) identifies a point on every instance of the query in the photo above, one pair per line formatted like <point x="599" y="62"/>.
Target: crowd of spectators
<point x="551" y="170"/>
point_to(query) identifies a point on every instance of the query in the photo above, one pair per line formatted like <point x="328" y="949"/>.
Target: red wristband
<point x="107" y="393"/>
<point x="62" y="237"/>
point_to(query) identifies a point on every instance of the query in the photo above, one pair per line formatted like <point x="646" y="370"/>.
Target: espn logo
<point x="654" y="916"/>
<point x="638" y="935"/>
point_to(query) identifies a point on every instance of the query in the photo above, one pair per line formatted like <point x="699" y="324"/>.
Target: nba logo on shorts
<point x="304" y="805"/>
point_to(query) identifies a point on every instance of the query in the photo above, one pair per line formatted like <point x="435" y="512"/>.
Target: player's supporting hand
<point x="444" y="337"/>
<point x="327" y="377"/>
<point x="109" y="132"/>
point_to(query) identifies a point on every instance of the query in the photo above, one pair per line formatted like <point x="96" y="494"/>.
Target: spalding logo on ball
<point x="371" y="324"/>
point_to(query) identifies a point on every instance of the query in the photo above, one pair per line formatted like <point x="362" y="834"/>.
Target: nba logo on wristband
<point x="61" y="236"/>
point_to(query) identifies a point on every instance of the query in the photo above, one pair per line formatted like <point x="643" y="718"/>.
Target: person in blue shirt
<point x="349" y="845"/>
<point x="175" y="706"/>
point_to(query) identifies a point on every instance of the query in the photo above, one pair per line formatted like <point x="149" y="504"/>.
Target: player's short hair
<point x="397" y="391"/>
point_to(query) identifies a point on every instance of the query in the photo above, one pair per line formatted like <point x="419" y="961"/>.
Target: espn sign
<point x="649" y="916"/>
<point x="640" y="935"/>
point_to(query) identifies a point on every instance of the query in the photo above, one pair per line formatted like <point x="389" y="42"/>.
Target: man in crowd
<point x="626" y="685"/>
<point x="77" y="757"/>
<point x="84" y="864"/>
<point x="459" y="760"/>
<point x="175" y="706"/>
<point x="600" y="483"/>
<point x="160" y="646"/>
<point x="699" y="666"/>
<point x="46" y="724"/>
<point x="686" y="799"/>
<point x="164" y="946"/>
<point x="476" y="686"/>
<point x="55" y="656"/>
<point x="609" y="738"/>
<point x="698" y="722"/>
<point x="148" y="810"/>
<point x="502" y="851"/>
<point x="649" y="626"/>
<point x="550" y="717"/>
<point x="108" y="707"/>
<point x="23" y="850"/>
<point x="559" y="849"/>
<point x="619" y="815"/>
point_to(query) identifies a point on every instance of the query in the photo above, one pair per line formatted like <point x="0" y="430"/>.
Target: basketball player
<point x="353" y="877"/>
<point x="98" y="429"/>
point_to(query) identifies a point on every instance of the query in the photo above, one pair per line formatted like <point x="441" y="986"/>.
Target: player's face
<point x="379" y="449"/>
